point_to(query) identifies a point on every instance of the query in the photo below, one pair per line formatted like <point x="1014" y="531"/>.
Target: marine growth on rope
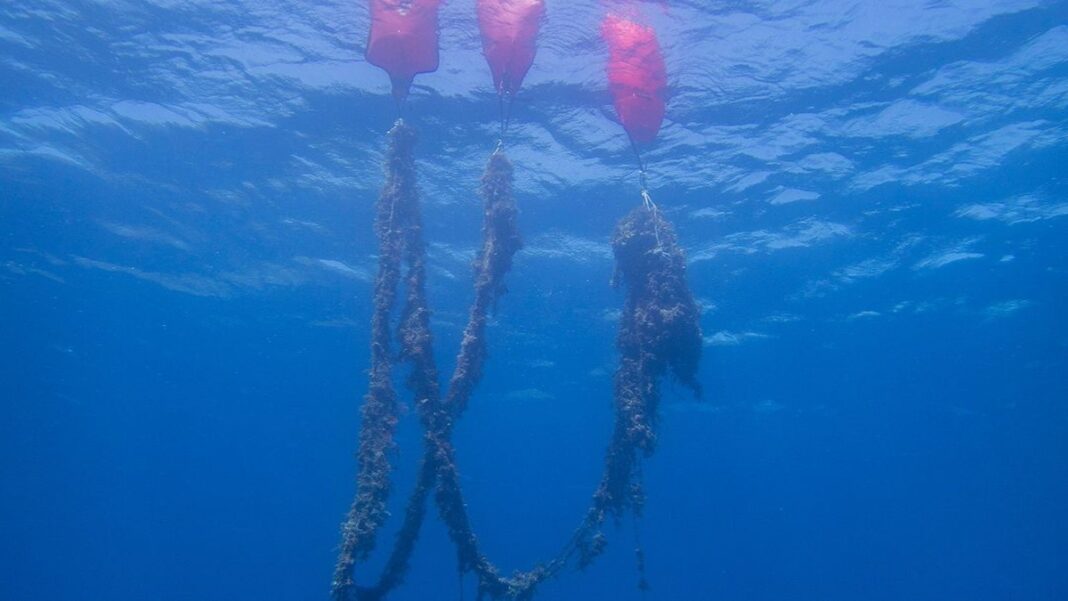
<point x="658" y="330"/>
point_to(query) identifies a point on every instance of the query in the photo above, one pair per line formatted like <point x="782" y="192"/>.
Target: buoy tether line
<point x="659" y="334"/>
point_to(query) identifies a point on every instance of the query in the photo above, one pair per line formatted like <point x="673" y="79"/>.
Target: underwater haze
<point x="873" y="203"/>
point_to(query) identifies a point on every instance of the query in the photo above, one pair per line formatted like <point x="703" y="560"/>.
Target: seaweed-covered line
<point x="379" y="410"/>
<point x="658" y="334"/>
<point x="399" y="231"/>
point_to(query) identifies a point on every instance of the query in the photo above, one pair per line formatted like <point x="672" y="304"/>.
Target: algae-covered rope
<point x="658" y="313"/>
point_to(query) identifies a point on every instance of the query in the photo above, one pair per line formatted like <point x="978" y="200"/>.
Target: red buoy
<point x="404" y="40"/>
<point x="636" y="76"/>
<point x="509" y="31"/>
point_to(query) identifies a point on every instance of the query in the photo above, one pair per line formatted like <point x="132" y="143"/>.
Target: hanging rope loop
<point x="650" y="348"/>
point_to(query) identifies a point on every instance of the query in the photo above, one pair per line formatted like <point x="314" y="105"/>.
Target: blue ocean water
<point x="873" y="202"/>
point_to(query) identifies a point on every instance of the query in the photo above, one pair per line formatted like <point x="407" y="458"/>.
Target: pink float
<point x="636" y="76"/>
<point x="404" y="40"/>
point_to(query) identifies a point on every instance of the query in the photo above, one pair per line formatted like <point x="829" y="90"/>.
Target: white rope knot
<point x="650" y="206"/>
